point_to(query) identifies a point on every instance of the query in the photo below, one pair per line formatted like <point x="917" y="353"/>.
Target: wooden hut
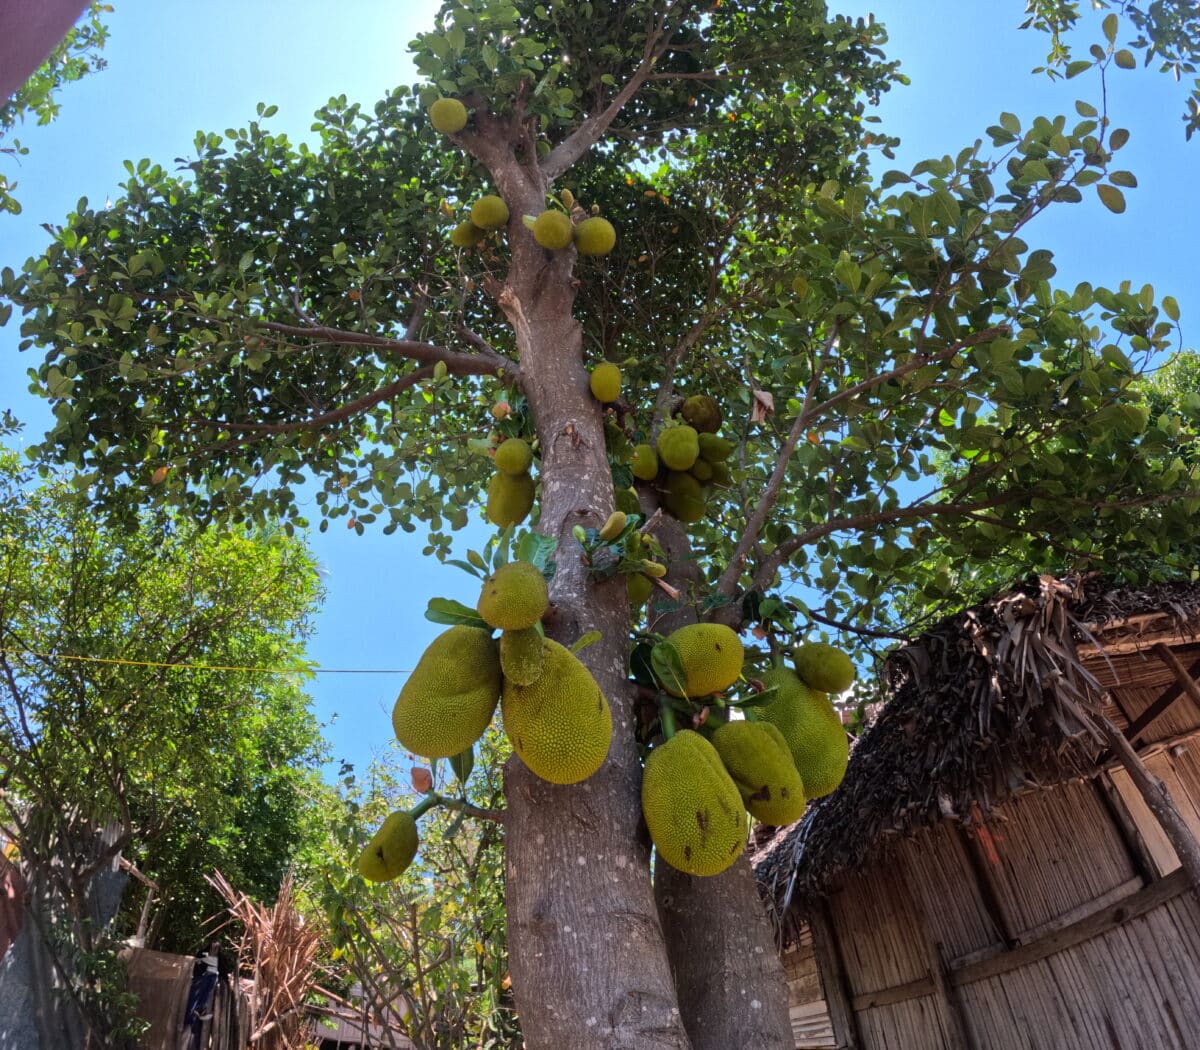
<point x="1001" y="868"/>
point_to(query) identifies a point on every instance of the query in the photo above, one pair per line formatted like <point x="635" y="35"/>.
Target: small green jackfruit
<point x="522" y="657"/>
<point x="683" y="497"/>
<point x="811" y="726"/>
<point x="759" y="760"/>
<point x="720" y="474"/>
<point x="614" y="526"/>
<point x="714" y="449"/>
<point x="391" y="849"/>
<point x="711" y="655"/>
<point x="692" y="806"/>
<point x="552" y="230"/>
<point x="448" y="116"/>
<point x="489" y="212"/>
<point x="466" y="235"/>
<point x="513" y="456"/>
<point x="509" y="499"/>
<point x="450" y="697"/>
<point x="561" y="725"/>
<point x="595" y="236"/>
<point x="645" y="462"/>
<point x="639" y="588"/>
<point x="701" y="470"/>
<point x="514" y="597"/>
<point x="824" y="667"/>
<point x="605" y="382"/>
<point x="702" y="412"/>
<point x="678" y="447"/>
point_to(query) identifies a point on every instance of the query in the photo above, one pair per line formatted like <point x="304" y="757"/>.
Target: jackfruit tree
<point x="838" y="389"/>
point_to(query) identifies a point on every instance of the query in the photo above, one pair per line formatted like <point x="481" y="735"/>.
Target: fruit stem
<point x="666" y="718"/>
<point x="425" y="805"/>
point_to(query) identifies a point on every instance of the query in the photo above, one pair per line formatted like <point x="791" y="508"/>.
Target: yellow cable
<point x="196" y="667"/>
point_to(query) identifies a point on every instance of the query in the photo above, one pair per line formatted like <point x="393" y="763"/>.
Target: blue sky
<point x="176" y="68"/>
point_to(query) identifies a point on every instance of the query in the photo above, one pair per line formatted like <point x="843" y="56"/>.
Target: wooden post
<point x="833" y="979"/>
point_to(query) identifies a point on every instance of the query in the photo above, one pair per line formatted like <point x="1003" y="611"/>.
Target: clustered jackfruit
<point x="645" y="462"/>
<point x="758" y="758"/>
<point x="711" y="655"/>
<point x="514" y="597"/>
<point x="811" y="727"/>
<point x="391" y="849"/>
<point x="824" y="667"/>
<point x="702" y="412"/>
<point x="678" y="447"/>
<point x="509" y="498"/>
<point x="692" y="806"/>
<point x="522" y="656"/>
<point x="514" y="456"/>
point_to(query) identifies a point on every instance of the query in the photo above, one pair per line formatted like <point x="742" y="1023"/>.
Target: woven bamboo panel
<point x="877" y="930"/>
<point x="1180" y="718"/>
<point x="913" y="1024"/>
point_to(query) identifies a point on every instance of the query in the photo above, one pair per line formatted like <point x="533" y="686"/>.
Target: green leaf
<point x="1080" y="65"/>
<point x="1113" y="198"/>
<point x="1170" y="307"/>
<point x="1084" y="109"/>
<point x="1125" y="59"/>
<point x="668" y="668"/>
<point x="537" y="550"/>
<point x="1110" y="24"/>
<point x="1010" y="123"/>
<point x="1117" y="139"/>
<point x="581" y="643"/>
<point x="1122" y="178"/>
<point x="462" y="764"/>
<point x="448" y="611"/>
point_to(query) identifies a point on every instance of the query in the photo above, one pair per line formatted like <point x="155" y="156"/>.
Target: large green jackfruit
<point x="522" y="657"/>
<point x="595" y="236"/>
<point x="811" y="726"/>
<point x="509" y="498"/>
<point x="450" y="697"/>
<point x="824" y="667"/>
<point x="692" y="806"/>
<point x="560" y="726"/>
<point x="678" y="447"/>
<point x="711" y="655"/>
<point x="514" y="597"/>
<point x="605" y="382"/>
<point x="513" y="456"/>
<point x="391" y="849"/>
<point x="702" y="412"/>
<point x="553" y="230"/>
<point x="683" y="497"/>
<point x="448" y="116"/>
<point x="489" y="212"/>
<point x="759" y="760"/>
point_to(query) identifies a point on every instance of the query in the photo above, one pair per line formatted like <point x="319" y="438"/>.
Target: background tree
<point x="280" y="312"/>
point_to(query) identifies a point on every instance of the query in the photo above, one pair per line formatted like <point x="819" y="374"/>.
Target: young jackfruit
<point x="466" y="235"/>
<point x="692" y="806"/>
<point x="824" y="667"/>
<point x="391" y="849"/>
<point x="513" y="456"/>
<point x="450" y="697"/>
<point x="714" y="449"/>
<point x="605" y="382"/>
<point x="683" y="497"/>
<point x="720" y="474"/>
<point x="560" y="726"/>
<point x="701" y="470"/>
<point x="448" y="116"/>
<point x="678" y="447"/>
<point x="759" y="760"/>
<point x="489" y="212"/>
<point x="702" y="412"/>
<point x="595" y="236"/>
<point x="509" y="498"/>
<point x="812" y="729"/>
<point x="522" y="657"/>
<point x="711" y="655"/>
<point x="639" y="588"/>
<point x="645" y="462"/>
<point x="552" y="230"/>
<point x="514" y="597"/>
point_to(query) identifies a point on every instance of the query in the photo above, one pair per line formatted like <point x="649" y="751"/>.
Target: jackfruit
<point x="605" y="382"/>
<point x="552" y="230"/>
<point x="514" y="597"/>
<point x="448" y="116"/>
<point x="824" y="667"/>
<point x="692" y="806"/>
<point x="466" y="235"/>
<point x="702" y="412"/>
<point x="509" y="499"/>
<point x="513" y="456"/>
<point x="678" y="447"/>
<point x="645" y="462"/>
<point x="684" y="497"/>
<point x="759" y="760"/>
<point x="521" y="655"/>
<point x="595" y="236"/>
<point x="701" y="470"/>
<point x="720" y="474"/>
<point x="450" y="697"/>
<point x="812" y="729"/>
<point x="639" y="588"/>
<point x="560" y="726"/>
<point x="711" y="655"/>
<point x="391" y="849"/>
<point x="714" y="449"/>
<point x="489" y="212"/>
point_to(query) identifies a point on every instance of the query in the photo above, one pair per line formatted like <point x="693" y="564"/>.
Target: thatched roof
<point x="995" y="699"/>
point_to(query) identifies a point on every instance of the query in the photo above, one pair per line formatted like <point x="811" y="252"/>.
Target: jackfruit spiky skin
<point x="514" y="597"/>
<point x="711" y="655"/>
<point x="692" y="806"/>
<point x="678" y="447"/>
<point x="595" y="236"/>
<point x="639" y="588"/>
<point x="489" y="212"/>
<point x="514" y="456"/>
<point x="448" y="116"/>
<point x="391" y="849"/>
<point x="812" y="729"/>
<point x="552" y="230"/>
<point x="522" y="657"/>
<point x="702" y="412"/>
<point x="450" y="697"/>
<point x="759" y="760"/>
<point x="605" y="382"/>
<point x="466" y="235"/>
<point x="684" y="497"/>
<point x="509" y="499"/>
<point x="713" y="448"/>
<point x="645" y="462"/>
<point x="560" y="726"/>
<point x="824" y="667"/>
